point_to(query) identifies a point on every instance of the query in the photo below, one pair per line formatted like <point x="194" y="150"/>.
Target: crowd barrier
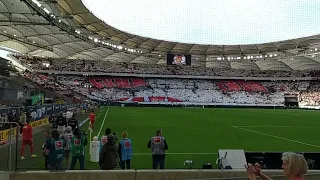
<point x="42" y="113"/>
<point x="5" y="134"/>
<point x="146" y="175"/>
<point x="204" y="105"/>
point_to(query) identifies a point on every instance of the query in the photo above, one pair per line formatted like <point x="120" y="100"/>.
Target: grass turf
<point x="196" y="133"/>
<point x="204" y="131"/>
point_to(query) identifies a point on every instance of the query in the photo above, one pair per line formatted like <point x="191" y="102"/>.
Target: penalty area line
<point x="277" y="137"/>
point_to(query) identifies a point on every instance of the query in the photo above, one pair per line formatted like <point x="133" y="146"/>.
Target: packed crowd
<point x="311" y="96"/>
<point x="193" y="91"/>
<point x="112" y="67"/>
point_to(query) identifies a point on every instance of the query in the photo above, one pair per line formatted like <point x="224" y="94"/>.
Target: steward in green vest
<point x="78" y="144"/>
<point x="55" y="151"/>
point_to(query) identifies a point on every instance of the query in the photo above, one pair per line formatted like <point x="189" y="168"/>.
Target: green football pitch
<point x="197" y="133"/>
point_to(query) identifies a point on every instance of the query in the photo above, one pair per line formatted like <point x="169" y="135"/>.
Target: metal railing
<point x="12" y="131"/>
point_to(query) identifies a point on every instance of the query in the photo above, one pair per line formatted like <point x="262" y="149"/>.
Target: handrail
<point x="10" y="145"/>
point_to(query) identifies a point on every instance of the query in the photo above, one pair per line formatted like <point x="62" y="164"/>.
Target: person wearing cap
<point x="158" y="146"/>
<point x="108" y="154"/>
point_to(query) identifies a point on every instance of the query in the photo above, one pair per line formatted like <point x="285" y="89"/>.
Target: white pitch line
<point x="278" y="137"/>
<point x="143" y="154"/>
<point x="104" y="119"/>
<point x="278" y="126"/>
<point x="101" y="110"/>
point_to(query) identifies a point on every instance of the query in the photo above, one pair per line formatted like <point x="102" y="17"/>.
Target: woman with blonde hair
<point x="294" y="167"/>
<point x="125" y="151"/>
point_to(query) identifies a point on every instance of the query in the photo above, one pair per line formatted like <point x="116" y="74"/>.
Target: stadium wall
<point x="146" y="175"/>
<point x="4" y="175"/>
<point x="206" y="105"/>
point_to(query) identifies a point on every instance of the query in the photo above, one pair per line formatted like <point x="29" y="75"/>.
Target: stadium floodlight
<point x="46" y="10"/>
<point x="261" y="56"/>
<point x="245" y="58"/>
<point x="59" y="21"/>
<point x="95" y="40"/>
<point x="14" y="35"/>
<point x="37" y="3"/>
<point x="120" y="47"/>
<point x="266" y="56"/>
<point x="228" y="58"/>
<point x="5" y="31"/>
<point x="270" y="55"/>
<point x="238" y="57"/>
<point x="33" y="42"/>
<point x="275" y="55"/>
<point x="316" y="49"/>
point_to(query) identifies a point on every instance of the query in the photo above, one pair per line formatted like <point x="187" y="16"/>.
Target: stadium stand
<point x="177" y="90"/>
<point x="114" y="67"/>
<point x="57" y="42"/>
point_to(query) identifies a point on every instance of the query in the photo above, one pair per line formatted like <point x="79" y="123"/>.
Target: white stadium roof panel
<point x="45" y="39"/>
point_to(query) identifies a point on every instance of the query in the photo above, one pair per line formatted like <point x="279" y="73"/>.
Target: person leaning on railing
<point x="294" y="167"/>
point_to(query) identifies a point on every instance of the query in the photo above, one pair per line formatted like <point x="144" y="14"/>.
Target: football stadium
<point x="179" y="90"/>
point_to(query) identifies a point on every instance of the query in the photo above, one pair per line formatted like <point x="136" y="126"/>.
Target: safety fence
<point x="38" y="114"/>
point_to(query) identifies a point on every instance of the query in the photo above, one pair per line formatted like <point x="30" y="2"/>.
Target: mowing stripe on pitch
<point x="104" y="119"/>
<point x="278" y="137"/>
<point x="149" y="154"/>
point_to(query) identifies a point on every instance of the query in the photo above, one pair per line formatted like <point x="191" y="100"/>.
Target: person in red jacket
<point x="27" y="139"/>
<point x="92" y="118"/>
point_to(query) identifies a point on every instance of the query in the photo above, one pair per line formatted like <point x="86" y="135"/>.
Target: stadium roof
<point x="24" y="29"/>
<point x="228" y="22"/>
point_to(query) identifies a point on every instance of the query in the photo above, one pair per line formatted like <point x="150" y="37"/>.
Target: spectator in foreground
<point x="78" y="144"/>
<point x="108" y="154"/>
<point x="294" y="167"/>
<point x="125" y="151"/>
<point x="158" y="146"/>
<point x="46" y="136"/>
<point x="104" y="138"/>
<point x="55" y="151"/>
<point x="67" y="137"/>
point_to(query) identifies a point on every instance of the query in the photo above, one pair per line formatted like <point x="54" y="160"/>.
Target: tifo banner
<point x="5" y="134"/>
